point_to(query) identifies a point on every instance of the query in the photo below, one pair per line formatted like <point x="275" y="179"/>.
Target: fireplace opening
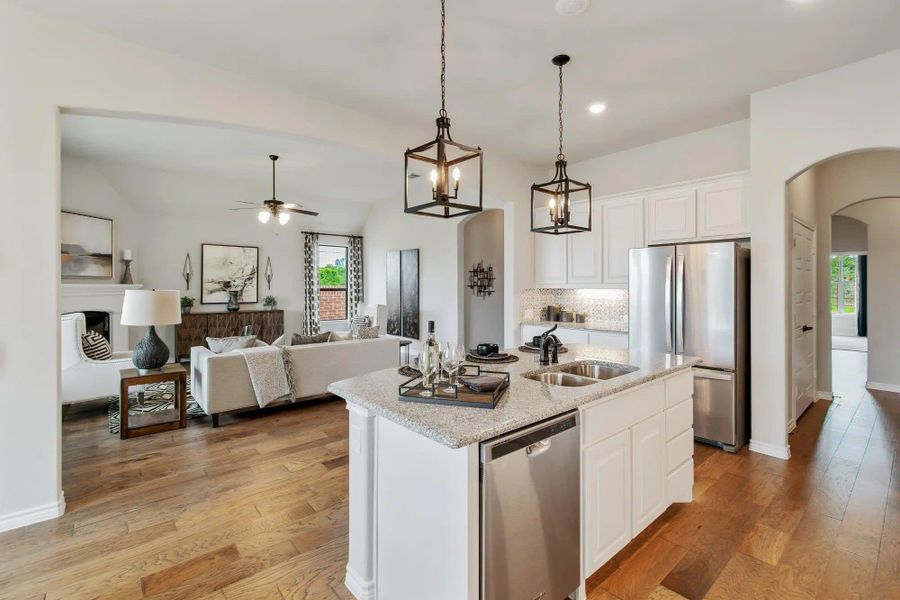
<point x="97" y="321"/>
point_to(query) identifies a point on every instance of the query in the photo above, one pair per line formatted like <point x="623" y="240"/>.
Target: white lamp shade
<point x="151" y="307"/>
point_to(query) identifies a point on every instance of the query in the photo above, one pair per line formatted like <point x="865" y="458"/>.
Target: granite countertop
<point x="587" y="326"/>
<point x="525" y="402"/>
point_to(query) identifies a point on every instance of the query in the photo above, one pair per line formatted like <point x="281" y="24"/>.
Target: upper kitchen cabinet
<point x="723" y="208"/>
<point x="622" y="226"/>
<point x="672" y="215"/>
<point x="550" y="260"/>
<point x="586" y="248"/>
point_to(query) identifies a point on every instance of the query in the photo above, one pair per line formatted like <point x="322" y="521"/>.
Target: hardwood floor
<point x="258" y="509"/>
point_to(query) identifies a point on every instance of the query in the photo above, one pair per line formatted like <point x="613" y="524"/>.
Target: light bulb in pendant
<point x="433" y="177"/>
<point x="284" y="217"/>
<point x="456" y="174"/>
<point x="264" y="216"/>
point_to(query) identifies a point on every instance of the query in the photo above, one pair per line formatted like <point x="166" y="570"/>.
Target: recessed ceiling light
<point x="597" y="107"/>
<point x="571" y="8"/>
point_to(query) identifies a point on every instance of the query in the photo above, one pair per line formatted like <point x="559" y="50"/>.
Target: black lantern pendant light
<point x="567" y="202"/>
<point x="435" y="171"/>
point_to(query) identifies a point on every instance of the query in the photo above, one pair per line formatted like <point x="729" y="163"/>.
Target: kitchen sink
<point x="598" y="370"/>
<point x="581" y="374"/>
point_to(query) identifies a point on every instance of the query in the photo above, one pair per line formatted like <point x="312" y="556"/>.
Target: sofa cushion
<point x="319" y="338"/>
<point x="227" y="344"/>
<point x="95" y="346"/>
<point x="341" y="336"/>
<point x="366" y="333"/>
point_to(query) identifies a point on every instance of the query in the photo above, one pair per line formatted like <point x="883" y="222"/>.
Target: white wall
<point x="793" y="127"/>
<point x="848" y="235"/>
<point x="883" y="218"/>
<point x="483" y="241"/>
<point x="714" y="151"/>
<point x="46" y="66"/>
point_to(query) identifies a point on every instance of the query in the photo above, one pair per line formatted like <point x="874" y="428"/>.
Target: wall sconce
<point x="187" y="271"/>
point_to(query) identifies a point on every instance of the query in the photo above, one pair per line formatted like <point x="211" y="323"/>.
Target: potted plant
<point x="186" y="303"/>
<point x="270" y="302"/>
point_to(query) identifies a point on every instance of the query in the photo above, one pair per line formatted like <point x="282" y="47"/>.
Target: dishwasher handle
<point x="538" y="448"/>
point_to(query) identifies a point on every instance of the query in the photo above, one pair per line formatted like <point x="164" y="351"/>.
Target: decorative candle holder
<point x="126" y="276"/>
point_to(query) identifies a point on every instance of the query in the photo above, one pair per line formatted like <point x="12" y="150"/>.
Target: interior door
<point x="803" y="311"/>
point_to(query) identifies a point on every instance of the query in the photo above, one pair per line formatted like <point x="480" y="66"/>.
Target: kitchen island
<point x="415" y="512"/>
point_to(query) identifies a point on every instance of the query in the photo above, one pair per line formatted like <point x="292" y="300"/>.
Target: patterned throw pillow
<point x="357" y="322"/>
<point x="95" y="346"/>
<point x="366" y="333"/>
<point x="227" y="344"/>
<point x="319" y="338"/>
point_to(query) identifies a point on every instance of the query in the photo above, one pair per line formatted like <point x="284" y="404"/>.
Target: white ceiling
<point x="664" y="67"/>
<point x="181" y="168"/>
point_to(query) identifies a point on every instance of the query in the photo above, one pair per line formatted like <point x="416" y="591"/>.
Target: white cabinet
<point x="586" y="248"/>
<point x="609" y="339"/>
<point x="622" y="227"/>
<point x="607" y="498"/>
<point x="723" y="208"/>
<point x="648" y="455"/>
<point x="549" y="260"/>
<point x="672" y="215"/>
<point x="572" y="336"/>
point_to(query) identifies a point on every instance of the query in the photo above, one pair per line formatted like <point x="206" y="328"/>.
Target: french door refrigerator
<point x="694" y="299"/>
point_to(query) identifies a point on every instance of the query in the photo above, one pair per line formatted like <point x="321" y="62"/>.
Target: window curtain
<point x="310" y="283"/>
<point x="862" y="279"/>
<point x="354" y="275"/>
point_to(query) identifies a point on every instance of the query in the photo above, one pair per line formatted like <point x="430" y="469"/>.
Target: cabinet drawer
<point x="621" y="412"/>
<point x="680" y="484"/>
<point x="679" y="388"/>
<point x="679" y="450"/>
<point x="679" y="419"/>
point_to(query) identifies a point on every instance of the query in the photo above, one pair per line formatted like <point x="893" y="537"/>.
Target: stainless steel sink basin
<point x="560" y="378"/>
<point x="598" y="370"/>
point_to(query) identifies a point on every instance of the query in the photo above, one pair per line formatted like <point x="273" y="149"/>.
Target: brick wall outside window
<point x="332" y="304"/>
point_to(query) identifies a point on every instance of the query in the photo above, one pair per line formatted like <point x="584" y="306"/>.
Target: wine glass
<point x="452" y="356"/>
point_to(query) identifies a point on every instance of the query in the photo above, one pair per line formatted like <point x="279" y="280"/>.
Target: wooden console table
<point x="155" y="421"/>
<point x="197" y="326"/>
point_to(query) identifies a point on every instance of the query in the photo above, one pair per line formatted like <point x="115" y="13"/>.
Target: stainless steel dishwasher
<point x="530" y="515"/>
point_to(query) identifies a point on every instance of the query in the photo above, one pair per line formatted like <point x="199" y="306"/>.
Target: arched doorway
<point x="482" y="243"/>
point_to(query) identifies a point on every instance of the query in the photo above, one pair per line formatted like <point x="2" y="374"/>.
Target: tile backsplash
<point x="605" y="309"/>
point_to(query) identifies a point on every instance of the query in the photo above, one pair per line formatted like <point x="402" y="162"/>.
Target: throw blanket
<point x="270" y="373"/>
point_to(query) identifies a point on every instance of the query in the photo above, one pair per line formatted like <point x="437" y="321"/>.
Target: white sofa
<point x="220" y="383"/>
<point x="83" y="378"/>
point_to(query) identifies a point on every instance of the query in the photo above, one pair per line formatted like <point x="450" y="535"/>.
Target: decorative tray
<point x="412" y="390"/>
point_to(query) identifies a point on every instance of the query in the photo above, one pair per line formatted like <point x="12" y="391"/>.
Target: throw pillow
<point x="366" y="333"/>
<point x="341" y="336"/>
<point x="319" y="338"/>
<point x="357" y="322"/>
<point x="227" y="344"/>
<point x="95" y="346"/>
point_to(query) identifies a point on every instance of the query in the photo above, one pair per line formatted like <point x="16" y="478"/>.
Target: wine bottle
<point x="430" y="358"/>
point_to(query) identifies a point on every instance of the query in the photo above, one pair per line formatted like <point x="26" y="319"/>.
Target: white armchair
<point x="82" y="378"/>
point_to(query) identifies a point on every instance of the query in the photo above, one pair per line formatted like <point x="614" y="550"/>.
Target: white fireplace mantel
<point x="101" y="297"/>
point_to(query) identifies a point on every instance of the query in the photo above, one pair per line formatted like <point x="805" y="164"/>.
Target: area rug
<point x="157" y="396"/>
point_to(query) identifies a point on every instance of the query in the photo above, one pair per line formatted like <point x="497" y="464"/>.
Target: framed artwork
<point x="225" y="268"/>
<point x="86" y="249"/>
<point x="402" y="293"/>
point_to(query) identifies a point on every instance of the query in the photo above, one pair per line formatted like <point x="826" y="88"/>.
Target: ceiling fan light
<point x="284" y="217"/>
<point x="264" y="216"/>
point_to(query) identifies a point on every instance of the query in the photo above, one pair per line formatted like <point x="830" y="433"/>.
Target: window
<point x="844" y="285"/>
<point x="332" y="283"/>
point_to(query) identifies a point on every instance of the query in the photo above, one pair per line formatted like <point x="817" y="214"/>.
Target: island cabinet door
<point x="607" y="499"/>
<point x="648" y="453"/>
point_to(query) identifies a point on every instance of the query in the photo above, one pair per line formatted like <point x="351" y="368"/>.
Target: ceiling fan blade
<point x="290" y="205"/>
<point x="246" y="208"/>
<point x="245" y="202"/>
<point x="301" y="211"/>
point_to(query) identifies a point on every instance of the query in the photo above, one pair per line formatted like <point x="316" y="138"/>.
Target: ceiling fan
<point x="274" y="207"/>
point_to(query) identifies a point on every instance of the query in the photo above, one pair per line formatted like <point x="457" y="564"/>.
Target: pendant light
<point x="561" y="205"/>
<point x="440" y="176"/>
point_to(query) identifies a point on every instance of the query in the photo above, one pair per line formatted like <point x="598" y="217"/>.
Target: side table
<point x="152" y="422"/>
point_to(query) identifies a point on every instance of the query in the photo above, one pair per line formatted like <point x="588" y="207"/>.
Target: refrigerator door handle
<point x="668" y="303"/>
<point x="679" y="307"/>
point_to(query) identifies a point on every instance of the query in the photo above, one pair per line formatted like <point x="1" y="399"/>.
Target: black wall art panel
<point x="402" y="293"/>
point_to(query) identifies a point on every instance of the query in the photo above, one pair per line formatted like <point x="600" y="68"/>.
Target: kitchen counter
<point x="589" y="326"/>
<point x="525" y="402"/>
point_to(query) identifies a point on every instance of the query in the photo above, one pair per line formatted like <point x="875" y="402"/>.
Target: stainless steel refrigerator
<point x="694" y="299"/>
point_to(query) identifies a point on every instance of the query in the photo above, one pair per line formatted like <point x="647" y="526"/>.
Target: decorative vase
<point x="150" y="353"/>
<point x="233" y="305"/>
<point x="271" y="306"/>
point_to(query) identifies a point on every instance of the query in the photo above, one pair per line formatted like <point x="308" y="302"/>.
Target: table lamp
<point x="151" y="308"/>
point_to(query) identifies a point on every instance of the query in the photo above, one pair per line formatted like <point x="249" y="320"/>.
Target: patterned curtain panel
<point x="354" y="274"/>
<point x="310" y="283"/>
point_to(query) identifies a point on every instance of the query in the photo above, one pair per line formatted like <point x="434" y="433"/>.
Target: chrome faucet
<point x="549" y="347"/>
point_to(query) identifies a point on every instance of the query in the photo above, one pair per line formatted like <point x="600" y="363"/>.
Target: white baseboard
<point x="361" y="590"/>
<point x="782" y="452"/>
<point x="883" y="387"/>
<point x="824" y="396"/>
<point x="36" y="514"/>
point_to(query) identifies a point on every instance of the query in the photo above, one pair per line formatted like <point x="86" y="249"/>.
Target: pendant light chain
<point x="560" y="156"/>
<point x="443" y="112"/>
